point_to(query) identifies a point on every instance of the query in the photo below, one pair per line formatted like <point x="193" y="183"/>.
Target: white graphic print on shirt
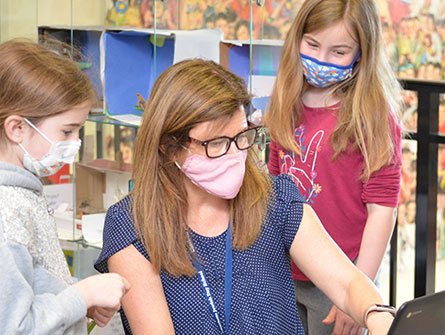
<point x="304" y="173"/>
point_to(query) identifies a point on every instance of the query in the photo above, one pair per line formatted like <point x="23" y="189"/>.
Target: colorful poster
<point x="414" y="30"/>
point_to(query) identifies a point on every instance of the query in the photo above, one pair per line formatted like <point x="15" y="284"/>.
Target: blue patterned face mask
<point x="321" y="74"/>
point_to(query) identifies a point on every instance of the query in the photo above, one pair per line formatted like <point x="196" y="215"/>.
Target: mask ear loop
<point x="185" y="148"/>
<point x="37" y="130"/>
<point x="42" y="134"/>
<point x="355" y="58"/>
<point x="24" y="150"/>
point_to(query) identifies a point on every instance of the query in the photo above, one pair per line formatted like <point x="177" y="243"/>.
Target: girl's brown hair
<point x="370" y="99"/>
<point x="37" y="83"/>
<point x="186" y="94"/>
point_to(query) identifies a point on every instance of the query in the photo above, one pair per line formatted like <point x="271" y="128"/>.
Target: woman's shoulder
<point x="285" y="189"/>
<point x="125" y="204"/>
<point x="121" y="210"/>
<point x="119" y="219"/>
<point x="119" y="231"/>
<point x="285" y="210"/>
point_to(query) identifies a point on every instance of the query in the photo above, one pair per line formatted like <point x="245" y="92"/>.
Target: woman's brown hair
<point x="36" y="83"/>
<point x="370" y="99"/>
<point x="186" y="94"/>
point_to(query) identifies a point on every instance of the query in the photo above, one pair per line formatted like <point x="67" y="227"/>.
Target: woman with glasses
<point x="205" y="236"/>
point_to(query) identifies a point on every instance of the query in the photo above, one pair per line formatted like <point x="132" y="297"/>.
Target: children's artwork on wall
<point x="124" y="13"/>
<point x="414" y="33"/>
<point x="414" y="30"/>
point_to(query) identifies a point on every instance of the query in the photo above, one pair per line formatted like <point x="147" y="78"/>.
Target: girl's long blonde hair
<point x="186" y="94"/>
<point x="370" y="99"/>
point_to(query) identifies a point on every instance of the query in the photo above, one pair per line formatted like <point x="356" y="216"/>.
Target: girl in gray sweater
<point x="44" y="101"/>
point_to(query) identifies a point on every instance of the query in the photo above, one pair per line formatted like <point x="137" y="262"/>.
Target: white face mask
<point x="60" y="152"/>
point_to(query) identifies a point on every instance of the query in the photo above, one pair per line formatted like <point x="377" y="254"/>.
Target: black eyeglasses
<point x="219" y="146"/>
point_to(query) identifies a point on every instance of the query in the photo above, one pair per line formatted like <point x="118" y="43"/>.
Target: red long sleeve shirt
<point x="334" y="188"/>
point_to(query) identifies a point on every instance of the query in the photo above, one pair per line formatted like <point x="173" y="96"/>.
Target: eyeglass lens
<point x="220" y="146"/>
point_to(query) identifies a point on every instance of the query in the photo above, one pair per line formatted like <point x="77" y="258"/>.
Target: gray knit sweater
<point x="36" y="296"/>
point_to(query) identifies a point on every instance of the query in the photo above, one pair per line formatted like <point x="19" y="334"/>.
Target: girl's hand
<point x="103" y="290"/>
<point x="344" y="325"/>
<point x="101" y="316"/>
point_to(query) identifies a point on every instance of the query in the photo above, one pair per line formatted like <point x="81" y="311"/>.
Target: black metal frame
<point x="427" y="138"/>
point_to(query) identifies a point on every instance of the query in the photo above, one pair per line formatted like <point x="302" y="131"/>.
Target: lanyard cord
<point x="227" y="285"/>
<point x="228" y="280"/>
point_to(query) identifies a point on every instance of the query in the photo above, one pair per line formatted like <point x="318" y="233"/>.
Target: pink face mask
<point x="221" y="177"/>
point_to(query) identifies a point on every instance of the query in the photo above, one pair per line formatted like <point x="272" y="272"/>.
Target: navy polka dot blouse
<point x="263" y="297"/>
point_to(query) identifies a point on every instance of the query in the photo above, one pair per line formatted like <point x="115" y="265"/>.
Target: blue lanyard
<point x="227" y="286"/>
